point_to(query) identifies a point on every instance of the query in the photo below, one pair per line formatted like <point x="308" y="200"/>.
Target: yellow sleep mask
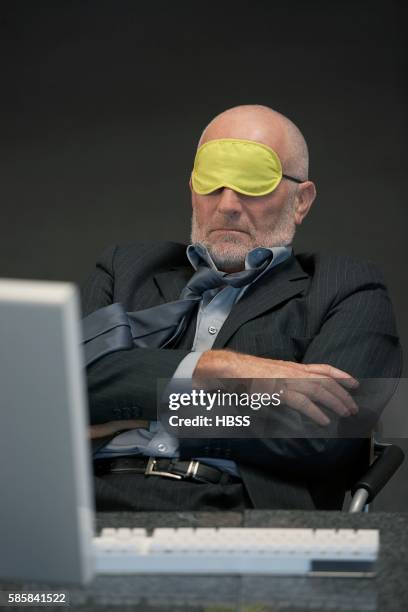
<point x="246" y="166"/>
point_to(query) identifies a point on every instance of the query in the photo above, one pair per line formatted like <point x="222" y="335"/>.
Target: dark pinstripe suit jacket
<point x="309" y="309"/>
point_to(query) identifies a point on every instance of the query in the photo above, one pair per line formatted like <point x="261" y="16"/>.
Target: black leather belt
<point x="167" y="468"/>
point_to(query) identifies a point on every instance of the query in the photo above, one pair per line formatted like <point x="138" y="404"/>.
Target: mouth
<point x="230" y="230"/>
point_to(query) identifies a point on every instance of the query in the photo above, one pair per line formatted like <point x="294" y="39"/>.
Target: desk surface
<point x="388" y="591"/>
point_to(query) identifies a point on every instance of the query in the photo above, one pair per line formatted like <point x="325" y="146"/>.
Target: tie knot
<point x="207" y="278"/>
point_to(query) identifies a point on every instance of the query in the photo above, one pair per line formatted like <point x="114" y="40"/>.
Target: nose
<point x="229" y="202"/>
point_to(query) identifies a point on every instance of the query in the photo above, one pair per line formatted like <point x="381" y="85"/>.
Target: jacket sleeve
<point x="123" y="385"/>
<point x="358" y="332"/>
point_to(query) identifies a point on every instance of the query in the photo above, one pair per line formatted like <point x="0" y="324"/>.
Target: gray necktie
<point x="111" y="328"/>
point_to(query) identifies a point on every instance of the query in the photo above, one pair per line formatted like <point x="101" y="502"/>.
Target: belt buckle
<point x="150" y="470"/>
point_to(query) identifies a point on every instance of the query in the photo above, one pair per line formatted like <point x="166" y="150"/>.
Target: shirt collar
<point x="197" y="254"/>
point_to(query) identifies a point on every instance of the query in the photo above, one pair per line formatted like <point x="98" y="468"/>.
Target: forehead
<point x="265" y="130"/>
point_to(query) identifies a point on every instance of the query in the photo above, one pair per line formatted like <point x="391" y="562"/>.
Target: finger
<point x="318" y="392"/>
<point x="326" y="391"/>
<point x="303" y="404"/>
<point x="342" y="394"/>
<point x="328" y="370"/>
<point x="111" y="427"/>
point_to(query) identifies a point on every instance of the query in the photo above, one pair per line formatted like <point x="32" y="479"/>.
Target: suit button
<point x="161" y="447"/>
<point x="212" y="330"/>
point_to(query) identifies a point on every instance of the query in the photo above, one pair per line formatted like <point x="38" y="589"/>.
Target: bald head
<point x="230" y="224"/>
<point x="263" y="124"/>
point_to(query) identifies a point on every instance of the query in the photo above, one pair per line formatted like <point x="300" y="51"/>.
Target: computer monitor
<point x="46" y="510"/>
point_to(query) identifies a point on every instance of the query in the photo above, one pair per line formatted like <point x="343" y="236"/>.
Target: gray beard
<point x="230" y="254"/>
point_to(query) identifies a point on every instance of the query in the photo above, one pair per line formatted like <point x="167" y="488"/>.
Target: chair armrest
<point x="378" y="474"/>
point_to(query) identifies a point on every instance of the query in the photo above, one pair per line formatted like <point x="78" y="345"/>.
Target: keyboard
<point x="243" y="550"/>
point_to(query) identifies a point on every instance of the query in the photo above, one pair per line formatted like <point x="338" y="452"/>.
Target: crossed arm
<point x="122" y="386"/>
<point x="313" y="384"/>
<point x="357" y="339"/>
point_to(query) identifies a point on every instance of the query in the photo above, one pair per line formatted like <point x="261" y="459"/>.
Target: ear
<point x="191" y="192"/>
<point x="304" y="200"/>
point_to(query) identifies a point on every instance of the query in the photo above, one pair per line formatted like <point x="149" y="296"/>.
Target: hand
<point x="105" y="429"/>
<point x="303" y="384"/>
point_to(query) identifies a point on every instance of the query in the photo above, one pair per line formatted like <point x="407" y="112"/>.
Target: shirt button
<point x="212" y="330"/>
<point x="161" y="448"/>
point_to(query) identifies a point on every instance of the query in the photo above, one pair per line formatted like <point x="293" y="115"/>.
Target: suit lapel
<point x="171" y="283"/>
<point x="159" y="289"/>
<point x="275" y="287"/>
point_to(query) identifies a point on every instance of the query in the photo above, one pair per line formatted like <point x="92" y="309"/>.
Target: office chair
<point x="386" y="459"/>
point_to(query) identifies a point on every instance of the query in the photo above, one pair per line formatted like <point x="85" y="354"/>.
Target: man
<point x="293" y="317"/>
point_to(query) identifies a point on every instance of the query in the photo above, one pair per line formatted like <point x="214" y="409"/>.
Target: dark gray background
<point x="102" y="104"/>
